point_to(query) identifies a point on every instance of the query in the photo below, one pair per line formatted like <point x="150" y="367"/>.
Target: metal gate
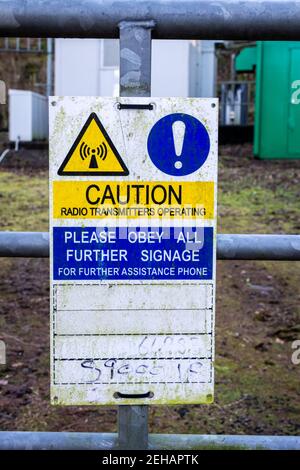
<point x="135" y="23"/>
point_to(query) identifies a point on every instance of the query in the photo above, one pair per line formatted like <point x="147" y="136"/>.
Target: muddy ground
<point x="257" y="316"/>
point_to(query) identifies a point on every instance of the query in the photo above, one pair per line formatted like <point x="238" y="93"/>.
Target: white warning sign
<point x="133" y="185"/>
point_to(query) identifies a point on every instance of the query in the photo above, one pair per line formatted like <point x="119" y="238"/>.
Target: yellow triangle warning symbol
<point x="93" y="153"/>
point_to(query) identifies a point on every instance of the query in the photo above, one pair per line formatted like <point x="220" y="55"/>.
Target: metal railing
<point x="174" y="19"/>
<point x="135" y="23"/>
<point x="23" y="45"/>
<point x="229" y="246"/>
<point x="109" y="441"/>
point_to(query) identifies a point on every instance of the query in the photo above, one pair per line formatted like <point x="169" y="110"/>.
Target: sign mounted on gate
<point x="133" y="185"/>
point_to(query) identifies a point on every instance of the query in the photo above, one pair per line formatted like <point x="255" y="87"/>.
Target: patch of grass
<point x="244" y="208"/>
<point x="23" y="201"/>
<point x="225" y="366"/>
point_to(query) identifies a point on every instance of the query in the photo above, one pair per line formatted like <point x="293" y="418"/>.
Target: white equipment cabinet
<point x="28" y="116"/>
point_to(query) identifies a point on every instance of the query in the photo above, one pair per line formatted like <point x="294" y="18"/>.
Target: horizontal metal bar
<point x="176" y="19"/>
<point x="229" y="246"/>
<point x="24" y="244"/>
<point x="105" y="441"/>
<point x="260" y="247"/>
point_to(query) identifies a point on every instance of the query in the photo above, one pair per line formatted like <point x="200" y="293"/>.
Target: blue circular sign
<point x="182" y="159"/>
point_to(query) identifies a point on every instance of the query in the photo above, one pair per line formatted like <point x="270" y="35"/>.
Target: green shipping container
<point x="277" y="99"/>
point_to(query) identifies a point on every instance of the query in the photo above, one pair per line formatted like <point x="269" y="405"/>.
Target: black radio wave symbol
<point x="93" y="153"/>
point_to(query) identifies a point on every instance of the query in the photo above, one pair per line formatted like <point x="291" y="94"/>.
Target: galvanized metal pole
<point x="230" y="246"/>
<point x="18" y="440"/>
<point x="176" y="19"/>
<point x="133" y="427"/>
<point x="135" y="80"/>
<point x="135" y="58"/>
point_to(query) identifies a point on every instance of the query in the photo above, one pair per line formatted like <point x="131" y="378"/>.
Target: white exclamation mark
<point x="178" y="128"/>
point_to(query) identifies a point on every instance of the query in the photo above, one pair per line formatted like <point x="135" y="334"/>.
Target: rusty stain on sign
<point x="133" y="253"/>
